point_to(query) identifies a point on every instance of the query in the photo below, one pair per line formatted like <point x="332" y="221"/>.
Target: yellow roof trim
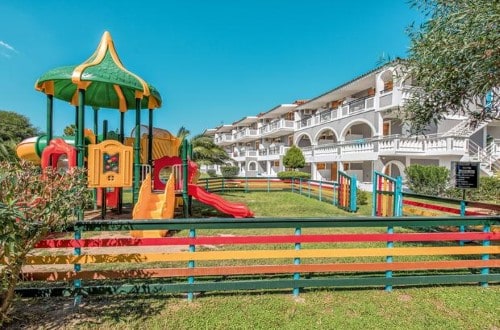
<point x="122" y="102"/>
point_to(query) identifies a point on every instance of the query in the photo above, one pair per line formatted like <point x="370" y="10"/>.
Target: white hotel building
<point x="355" y="127"/>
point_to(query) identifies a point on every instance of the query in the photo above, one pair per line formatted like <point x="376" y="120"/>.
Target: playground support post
<point x="80" y="137"/>
<point x="50" y="117"/>
<point x="137" y="151"/>
<point x="150" y="138"/>
<point x="185" y="197"/>
<point x="80" y="127"/>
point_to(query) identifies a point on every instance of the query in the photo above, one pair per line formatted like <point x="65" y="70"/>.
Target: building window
<point x="321" y="166"/>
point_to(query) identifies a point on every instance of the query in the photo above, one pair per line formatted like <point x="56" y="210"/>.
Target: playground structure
<point x="113" y="164"/>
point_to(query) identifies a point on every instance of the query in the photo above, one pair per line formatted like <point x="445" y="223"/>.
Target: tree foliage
<point x="31" y="206"/>
<point x="70" y="130"/>
<point x="16" y="127"/>
<point x="294" y="158"/>
<point x="428" y="180"/>
<point x="454" y="60"/>
<point x="13" y="129"/>
<point x="205" y="151"/>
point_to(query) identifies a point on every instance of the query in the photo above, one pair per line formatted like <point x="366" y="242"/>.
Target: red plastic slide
<point x="237" y="210"/>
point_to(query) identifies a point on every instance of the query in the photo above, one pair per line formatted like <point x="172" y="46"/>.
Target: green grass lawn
<point x="444" y="307"/>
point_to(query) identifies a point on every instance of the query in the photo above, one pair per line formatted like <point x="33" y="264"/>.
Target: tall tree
<point x="16" y="127"/>
<point x="206" y="152"/>
<point x="454" y="59"/>
<point x="13" y="128"/>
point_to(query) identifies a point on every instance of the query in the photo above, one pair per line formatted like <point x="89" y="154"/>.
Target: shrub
<point x="294" y="174"/>
<point x="362" y="197"/>
<point x="212" y="173"/>
<point x="428" y="180"/>
<point x="229" y="171"/>
<point x="294" y="158"/>
<point x="31" y="206"/>
<point x="488" y="191"/>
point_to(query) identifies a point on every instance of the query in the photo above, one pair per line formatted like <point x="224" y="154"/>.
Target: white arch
<point x="249" y="165"/>
<point x="399" y="165"/>
<point x="354" y="122"/>
<point x="316" y="138"/>
<point x="383" y="77"/>
<point x="299" y="137"/>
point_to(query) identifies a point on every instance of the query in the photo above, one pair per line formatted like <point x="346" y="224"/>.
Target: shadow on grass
<point x="60" y="312"/>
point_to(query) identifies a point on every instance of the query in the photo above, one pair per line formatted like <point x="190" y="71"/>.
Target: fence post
<point x="309" y="188"/>
<point x="388" y="259"/>
<point x="246" y="184"/>
<point x="320" y="197"/>
<point x="353" y="195"/>
<point x="374" y="194"/>
<point x="398" y="197"/>
<point x="292" y="182"/>
<point x="268" y="184"/>
<point x="77" y="283"/>
<point x="206" y="184"/>
<point x="300" y="186"/>
<point x="486" y="242"/>
<point x="222" y="187"/>
<point x="192" y="248"/>
<point x="462" y="214"/>
<point x="296" y="261"/>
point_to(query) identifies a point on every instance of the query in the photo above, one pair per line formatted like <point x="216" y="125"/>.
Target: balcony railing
<point x="392" y="145"/>
<point x="276" y="125"/>
<point x="351" y="108"/>
<point x="224" y="138"/>
<point x="245" y="133"/>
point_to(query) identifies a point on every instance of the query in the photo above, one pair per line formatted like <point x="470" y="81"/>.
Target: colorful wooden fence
<point x="341" y="193"/>
<point x="387" y="195"/>
<point x="304" y="253"/>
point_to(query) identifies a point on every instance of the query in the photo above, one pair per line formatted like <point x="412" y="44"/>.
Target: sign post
<point x="466" y="176"/>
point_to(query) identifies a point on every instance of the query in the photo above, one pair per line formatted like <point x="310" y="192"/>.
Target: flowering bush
<point x="31" y="206"/>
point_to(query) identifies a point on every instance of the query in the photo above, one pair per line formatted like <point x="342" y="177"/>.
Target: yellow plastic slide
<point x="27" y="150"/>
<point x="152" y="205"/>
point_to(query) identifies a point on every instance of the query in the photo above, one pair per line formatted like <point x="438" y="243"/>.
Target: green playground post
<point x="137" y="151"/>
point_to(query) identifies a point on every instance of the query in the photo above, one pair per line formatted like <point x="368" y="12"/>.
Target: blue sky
<point x="213" y="61"/>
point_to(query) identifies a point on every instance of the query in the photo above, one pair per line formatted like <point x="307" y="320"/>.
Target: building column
<point x="314" y="171"/>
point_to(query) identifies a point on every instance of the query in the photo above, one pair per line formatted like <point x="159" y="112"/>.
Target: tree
<point x="70" y="130"/>
<point x="16" y="127"/>
<point x="205" y="151"/>
<point x="31" y="206"/>
<point x="13" y="129"/>
<point x="454" y="59"/>
<point x="294" y="158"/>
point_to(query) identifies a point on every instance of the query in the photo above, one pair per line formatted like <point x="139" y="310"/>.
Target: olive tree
<point x="454" y="60"/>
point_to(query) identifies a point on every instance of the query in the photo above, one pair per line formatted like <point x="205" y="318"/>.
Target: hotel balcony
<point x="246" y="135"/>
<point x="272" y="153"/>
<point x="349" y="109"/>
<point x="242" y="155"/>
<point x="371" y="149"/>
<point x="224" y="139"/>
<point x="277" y="128"/>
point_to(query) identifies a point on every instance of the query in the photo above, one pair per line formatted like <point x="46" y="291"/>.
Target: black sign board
<point x="466" y="175"/>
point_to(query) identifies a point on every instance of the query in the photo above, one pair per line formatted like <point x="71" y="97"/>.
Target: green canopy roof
<point x="106" y="82"/>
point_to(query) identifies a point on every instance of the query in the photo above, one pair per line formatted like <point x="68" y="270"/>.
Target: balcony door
<point x="334" y="171"/>
<point x="386" y="128"/>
